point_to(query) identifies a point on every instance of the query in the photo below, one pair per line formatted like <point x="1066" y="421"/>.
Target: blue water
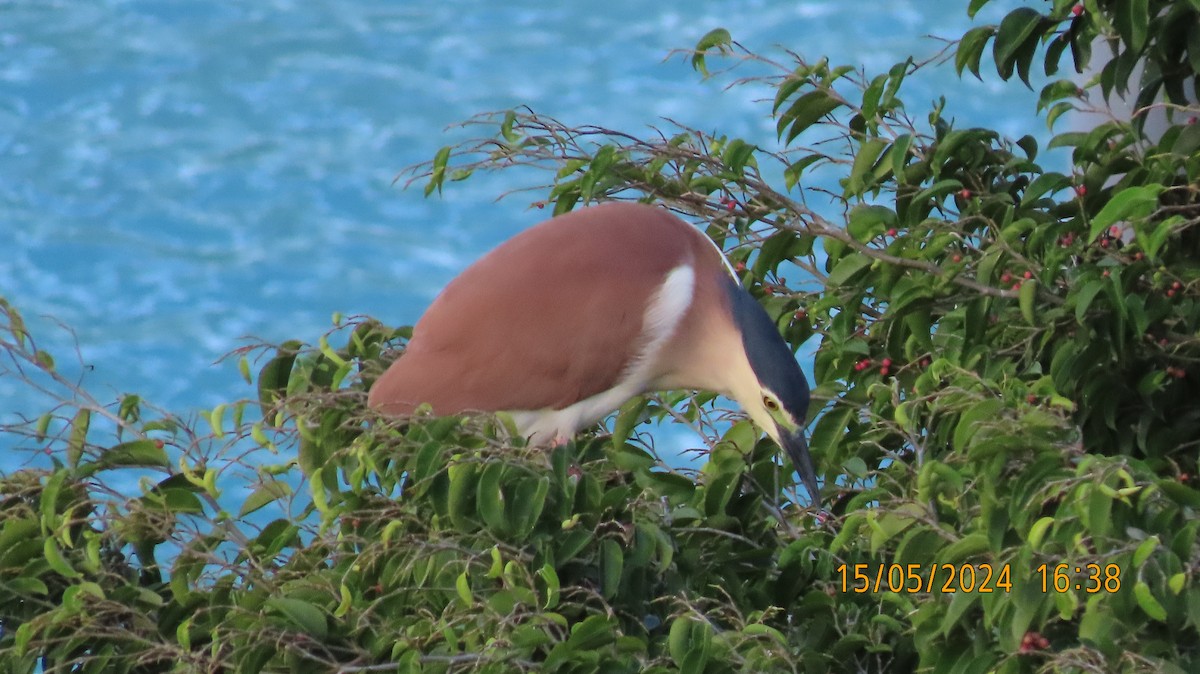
<point x="177" y="175"/>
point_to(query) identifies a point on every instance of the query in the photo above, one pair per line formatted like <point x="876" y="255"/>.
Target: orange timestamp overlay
<point x="982" y="578"/>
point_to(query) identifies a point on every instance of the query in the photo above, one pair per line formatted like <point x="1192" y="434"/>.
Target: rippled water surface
<point x="177" y="175"/>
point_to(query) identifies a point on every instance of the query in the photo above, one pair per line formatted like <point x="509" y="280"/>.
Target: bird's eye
<point x="770" y="403"/>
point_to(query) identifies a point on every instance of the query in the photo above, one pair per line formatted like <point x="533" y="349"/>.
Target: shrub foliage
<point x="1005" y="418"/>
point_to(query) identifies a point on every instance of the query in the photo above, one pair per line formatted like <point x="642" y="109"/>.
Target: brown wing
<point x="549" y="318"/>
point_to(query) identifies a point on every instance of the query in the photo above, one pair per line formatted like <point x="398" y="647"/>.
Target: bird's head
<point x="778" y="398"/>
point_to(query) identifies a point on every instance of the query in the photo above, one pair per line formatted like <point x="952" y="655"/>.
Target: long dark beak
<point x="796" y="447"/>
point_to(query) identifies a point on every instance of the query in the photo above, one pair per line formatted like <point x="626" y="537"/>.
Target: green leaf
<point x="490" y="500"/>
<point x="175" y="500"/>
<point x="959" y="603"/>
<point x="846" y="269"/>
<point x="868" y="221"/>
<point x="975" y="6"/>
<point x="1097" y="623"/>
<point x="1057" y="110"/>
<point x="792" y="174"/>
<point x="595" y="631"/>
<point x="462" y="586"/>
<point x="1154" y="235"/>
<point x="1099" y="513"/>
<point x="274" y="376"/>
<point x="302" y="614"/>
<point x="1147" y="602"/>
<point x="1132" y="20"/>
<point x="437" y="171"/>
<point x="718" y="38"/>
<point x="268" y="492"/>
<point x="1056" y="91"/>
<point x="970" y="49"/>
<point x="830" y="428"/>
<point x="1083" y="298"/>
<point x="550" y="577"/>
<point x="806" y="111"/>
<point x="931" y="196"/>
<point x="1038" y="531"/>
<point x="864" y="161"/>
<point x="138" y="453"/>
<point x="528" y="506"/>
<point x="612" y="565"/>
<point x="78" y="439"/>
<point x="629" y="416"/>
<point x="966" y="547"/>
<point x="737" y="154"/>
<point x="28" y="585"/>
<point x="1130" y="203"/>
<point x="56" y="561"/>
<point x="463" y="478"/>
<point x="1016" y="30"/>
<point x="1176" y="583"/>
<point x="1025" y="298"/>
<point x="969" y="422"/>
<point x="900" y="153"/>
<point x="1144" y="550"/>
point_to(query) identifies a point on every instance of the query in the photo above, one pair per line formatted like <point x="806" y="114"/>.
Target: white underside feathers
<point x="663" y="315"/>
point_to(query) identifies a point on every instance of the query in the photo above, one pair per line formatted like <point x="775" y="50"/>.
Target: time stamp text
<point x="982" y="578"/>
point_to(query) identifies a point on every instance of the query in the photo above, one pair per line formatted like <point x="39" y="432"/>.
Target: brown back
<point x="550" y="317"/>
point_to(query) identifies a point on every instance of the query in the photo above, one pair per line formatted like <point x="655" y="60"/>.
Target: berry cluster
<point x="1007" y="278"/>
<point x="1033" y="641"/>
<point x="885" y="365"/>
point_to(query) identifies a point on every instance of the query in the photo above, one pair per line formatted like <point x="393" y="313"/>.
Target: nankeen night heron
<point x="566" y="321"/>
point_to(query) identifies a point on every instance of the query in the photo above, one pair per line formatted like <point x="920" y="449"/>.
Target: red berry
<point x="956" y="259"/>
<point x="1016" y="286"/>
<point x="1106" y="274"/>
<point x="159" y="444"/>
<point x="1138" y="256"/>
<point x="1114" y="231"/>
<point x="1028" y="275"/>
<point x="1104" y="243"/>
<point x="1032" y="641"/>
<point x="965" y="193"/>
<point x="892" y="231"/>
<point x="1177" y="285"/>
<point x="1162" y="342"/>
<point x="1170" y="292"/>
<point x="739" y="267"/>
<point x="540" y="204"/>
<point x="1184" y="477"/>
<point x="1077" y="10"/>
<point x="883" y="371"/>
<point x="768" y="289"/>
<point x="801" y="314"/>
<point x="886" y="362"/>
<point x="1081" y="190"/>
<point x="1031" y="399"/>
<point x="1005" y="277"/>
